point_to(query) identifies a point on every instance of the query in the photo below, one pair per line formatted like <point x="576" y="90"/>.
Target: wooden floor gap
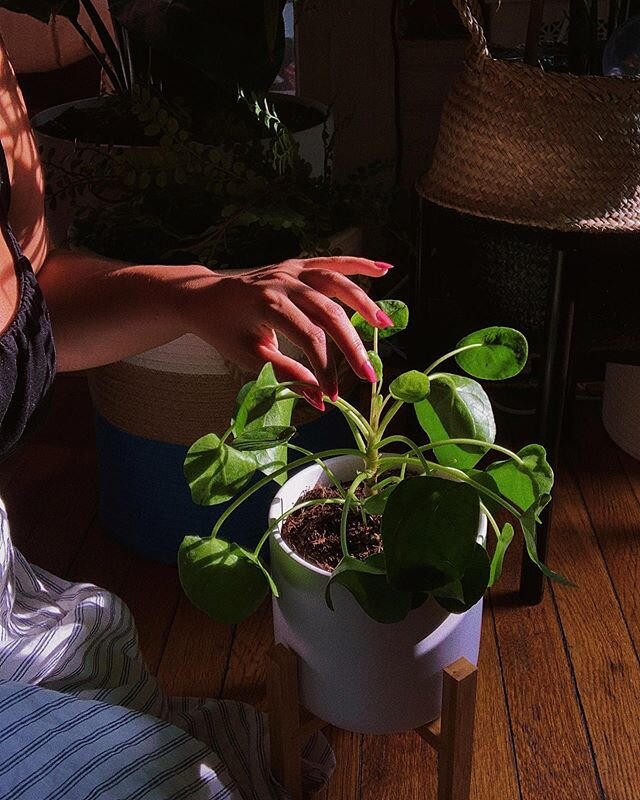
<point x="505" y="695"/>
<point x="223" y="684"/>
<point x="583" y="716"/>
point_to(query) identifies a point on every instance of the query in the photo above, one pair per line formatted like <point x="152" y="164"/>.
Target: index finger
<point x="349" y="265"/>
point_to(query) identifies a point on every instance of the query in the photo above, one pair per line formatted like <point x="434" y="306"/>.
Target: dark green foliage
<point x="434" y="546"/>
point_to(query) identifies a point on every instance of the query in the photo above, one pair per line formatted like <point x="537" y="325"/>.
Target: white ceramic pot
<point x="621" y="406"/>
<point x="355" y="673"/>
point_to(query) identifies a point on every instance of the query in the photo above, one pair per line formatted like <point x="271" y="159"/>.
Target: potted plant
<point x="193" y="69"/>
<point x="379" y="553"/>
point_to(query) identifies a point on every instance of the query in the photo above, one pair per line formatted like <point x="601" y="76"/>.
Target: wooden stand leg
<point x="284" y="719"/>
<point x="452" y="734"/>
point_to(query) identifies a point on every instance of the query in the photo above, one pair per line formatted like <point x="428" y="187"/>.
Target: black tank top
<point x="27" y="353"/>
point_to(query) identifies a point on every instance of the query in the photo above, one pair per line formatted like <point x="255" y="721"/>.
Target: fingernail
<point x="383" y="265"/>
<point x="384" y="319"/>
<point x="369" y="372"/>
<point x="314" y="399"/>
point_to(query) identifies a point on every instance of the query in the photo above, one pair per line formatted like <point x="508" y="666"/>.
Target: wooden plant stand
<point x="451" y="735"/>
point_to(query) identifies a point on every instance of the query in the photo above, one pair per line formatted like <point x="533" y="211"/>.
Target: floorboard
<point x="603" y="660"/>
<point x="551" y="744"/>
<point x="613" y="509"/>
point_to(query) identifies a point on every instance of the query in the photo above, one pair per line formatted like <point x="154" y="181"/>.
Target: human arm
<point x="103" y="311"/>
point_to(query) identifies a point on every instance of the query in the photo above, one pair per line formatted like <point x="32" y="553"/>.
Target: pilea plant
<point x="430" y="496"/>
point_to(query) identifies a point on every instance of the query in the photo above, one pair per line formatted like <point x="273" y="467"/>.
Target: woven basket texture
<point x="179" y="408"/>
<point x="549" y="150"/>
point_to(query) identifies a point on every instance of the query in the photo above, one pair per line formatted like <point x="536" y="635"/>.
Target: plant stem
<point x="356" y="434"/>
<point x="97" y="55"/>
<point x="110" y="47"/>
<point x="297" y="507"/>
<point x="472" y="442"/>
<point x="414" y="448"/>
<point x="301" y="462"/>
<point x="374" y="387"/>
<point x="345" y="512"/>
<point x="124" y="48"/>
<point x="491" y="519"/>
<point x="350" y="413"/>
<point x="439" y="361"/>
<point x="386" y="400"/>
<point x="389" y="416"/>
<point x="327" y="471"/>
<point x="358" y="418"/>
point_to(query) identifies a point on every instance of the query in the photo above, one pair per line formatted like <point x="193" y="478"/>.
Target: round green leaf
<point x="457" y="408"/>
<point x="429" y="528"/>
<point x="255" y="400"/>
<point x="529" y="531"/>
<point x="376" y="363"/>
<point x="524" y="483"/>
<point x="216" y="472"/>
<point x="395" y="309"/>
<point x="504" y="540"/>
<point x="485" y="480"/>
<point x="220" y="578"/>
<point x="257" y="409"/>
<point x="411" y="386"/>
<point x="501" y="353"/>
<point x="367" y="582"/>
<point x="264" y="438"/>
<point x="471" y="587"/>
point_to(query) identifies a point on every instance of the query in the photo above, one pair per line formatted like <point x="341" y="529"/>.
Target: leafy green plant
<point x="218" y="205"/>
<point x="212" y="175"/>
<point x="431" y="496"/>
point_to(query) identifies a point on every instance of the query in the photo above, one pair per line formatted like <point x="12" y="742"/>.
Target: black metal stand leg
<point x="559" y="332"/>
<point x="418" y="311"/>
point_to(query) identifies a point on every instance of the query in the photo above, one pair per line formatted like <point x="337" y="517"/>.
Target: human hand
<point x="241" y="316"/>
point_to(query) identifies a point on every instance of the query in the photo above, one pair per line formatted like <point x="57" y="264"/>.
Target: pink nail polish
<point x="384" y="319"/>
<point x="383" y="265"/>
<point x="313" y="400"/>
<point x="369" y="372"/>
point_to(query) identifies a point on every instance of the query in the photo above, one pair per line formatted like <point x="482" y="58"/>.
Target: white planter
<point x="62" y="156"/>
<point x="355" y="673"/>
<point x="621" y="406"/>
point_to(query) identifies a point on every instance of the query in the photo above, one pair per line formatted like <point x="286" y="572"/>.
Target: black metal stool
<point x="557" y="341"/>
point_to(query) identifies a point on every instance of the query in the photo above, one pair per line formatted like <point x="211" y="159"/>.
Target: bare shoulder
<point x="27" y="184"/>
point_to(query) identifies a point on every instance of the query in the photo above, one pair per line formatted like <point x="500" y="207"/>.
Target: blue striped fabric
<point x="82" y="718"/>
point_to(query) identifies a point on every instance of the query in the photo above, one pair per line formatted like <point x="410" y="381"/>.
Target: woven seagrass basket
<point x="546" y="150"/>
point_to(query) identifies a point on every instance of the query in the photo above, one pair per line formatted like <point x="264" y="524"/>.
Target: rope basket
<point x="182" y="390"/>
<point x="548" y="150"/>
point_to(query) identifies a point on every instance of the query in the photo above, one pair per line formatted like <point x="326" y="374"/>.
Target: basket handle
<point x="470" y="14"/>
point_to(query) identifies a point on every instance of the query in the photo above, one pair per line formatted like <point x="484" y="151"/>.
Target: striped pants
<point x="81" y="717"/>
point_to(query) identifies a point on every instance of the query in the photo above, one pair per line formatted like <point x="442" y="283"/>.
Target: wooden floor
<point x="559" y="684"/>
